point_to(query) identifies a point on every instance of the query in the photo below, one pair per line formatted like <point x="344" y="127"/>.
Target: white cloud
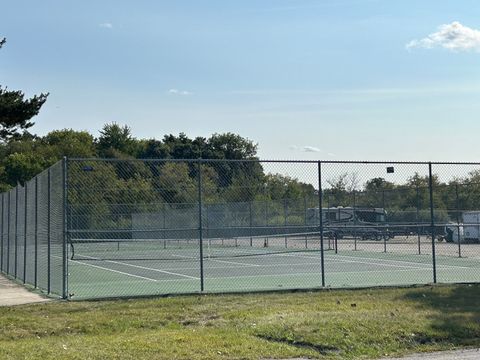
<point x="106" y="25"/>
<point x="179" y="92"/>
<point x="454" y="37"/>
<point x="311" y="149"/>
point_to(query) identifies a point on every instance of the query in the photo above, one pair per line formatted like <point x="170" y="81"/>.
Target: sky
<point x="325" y="79"/>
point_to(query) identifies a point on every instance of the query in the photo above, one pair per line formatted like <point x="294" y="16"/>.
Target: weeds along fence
<point x="98" y="228"/>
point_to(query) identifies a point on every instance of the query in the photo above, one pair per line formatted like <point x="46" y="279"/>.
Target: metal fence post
<point x="49" y="263"/>
<point x="458" y="221"/>
<point x="305" y="220"/>
<point x="383" y="231"/>
<point x="432" y="222"/>
<point x="36" y="234"/>
<point x="25" y="234"/>
<point x="418" y="224"/>
<point x="1" y="234"/>
<point x="285" y="216"/>
<point x="320" y="202"/>
<point x="354" y="219"/>
<point x="16" y="232"/>
<point x="8" y="230"/>
<point x="200" y="225"/>
<point x="66" y="230"/>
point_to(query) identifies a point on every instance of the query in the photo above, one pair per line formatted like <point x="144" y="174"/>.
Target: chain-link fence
<point x="99" y="228"/>
<point x="32" y="232"/>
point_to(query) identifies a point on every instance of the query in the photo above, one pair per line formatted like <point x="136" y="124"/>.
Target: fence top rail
<point x="373" y="162"/>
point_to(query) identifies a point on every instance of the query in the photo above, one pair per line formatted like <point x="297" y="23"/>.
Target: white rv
<point x="468" y="231"/>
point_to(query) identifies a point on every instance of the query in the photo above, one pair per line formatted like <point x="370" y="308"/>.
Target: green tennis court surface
<point x="117" y="269"/>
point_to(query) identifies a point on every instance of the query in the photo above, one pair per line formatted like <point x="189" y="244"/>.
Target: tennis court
<point x="100" y="228"/>
<point x="152" y="266"/>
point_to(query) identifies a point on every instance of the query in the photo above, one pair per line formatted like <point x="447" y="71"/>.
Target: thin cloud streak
<point x="307" y="148"/>
<point x="311" y="149"/>
<point x="106" y="25"/>
<point x="179" y="92"/>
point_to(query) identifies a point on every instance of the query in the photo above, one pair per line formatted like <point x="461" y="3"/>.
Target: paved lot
<point x="14" y="294"/>
<point x="447" y="355"/>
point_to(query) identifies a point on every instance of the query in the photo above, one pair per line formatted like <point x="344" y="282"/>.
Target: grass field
<point x="368" y="323"/>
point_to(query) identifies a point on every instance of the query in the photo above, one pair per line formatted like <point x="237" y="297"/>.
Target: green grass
<point x="328" y="324"/>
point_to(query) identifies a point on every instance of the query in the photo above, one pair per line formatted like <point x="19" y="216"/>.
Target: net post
<point x="164" y="224"/>
<point x="432" y="222"/>
<point x="251" y="222"/>
<point x="16" y="232"/>
<point x="320" y="202"/>
<point x="65" y="229"/>
<point x="265" y="242"/>
<point x="25" y="234"/>
<point x="49" y="264"/>
<point x="200" y="224"/>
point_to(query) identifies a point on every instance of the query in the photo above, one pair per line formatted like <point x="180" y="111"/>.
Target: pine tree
<point x="16" y="112"/>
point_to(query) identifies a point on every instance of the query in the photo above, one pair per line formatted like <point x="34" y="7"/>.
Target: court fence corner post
<point x="49" y="237"/>
<point x="200" y="224"/>
<point x="15" y="239"/>
<point x="25" y="226"/>
<point x="432" y="221"/>
<point x="1" y="235"/>
<point x="320" y="212"/>
<point x="65" y="229"/>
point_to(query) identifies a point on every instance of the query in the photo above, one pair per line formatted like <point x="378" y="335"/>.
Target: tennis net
<point x="189" y="249"/>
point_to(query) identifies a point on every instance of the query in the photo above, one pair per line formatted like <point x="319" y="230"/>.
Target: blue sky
<point x="324" y="79"/>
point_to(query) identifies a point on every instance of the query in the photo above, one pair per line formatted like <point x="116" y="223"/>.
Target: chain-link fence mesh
<point x="147" y="227"/>
<point x="130" y="224"/>
<point x="32" y="234"/>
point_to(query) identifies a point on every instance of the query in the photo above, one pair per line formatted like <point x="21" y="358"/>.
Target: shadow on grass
<point x="321" y="349"/>
<point x="454" y="314"/>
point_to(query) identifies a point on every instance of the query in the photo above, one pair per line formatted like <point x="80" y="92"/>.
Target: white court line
<point x="334" y="258"/>
<point x="305" y="274"/>
<point x="405" y="262"/>
<point x="293" y="274"/>
<point x="314" y="273"/>
<point x="373" y="263"/>
<point x="115" y="271"/>
<point x="253" y="276"/>
<point x="234" y="263"/>
<point x="144" y="268"/>
<point x="240" y="267"/>
<point x="221" y="261"/>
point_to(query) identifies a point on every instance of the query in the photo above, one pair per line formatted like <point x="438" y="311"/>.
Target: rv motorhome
<point x="361" y="222"/>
